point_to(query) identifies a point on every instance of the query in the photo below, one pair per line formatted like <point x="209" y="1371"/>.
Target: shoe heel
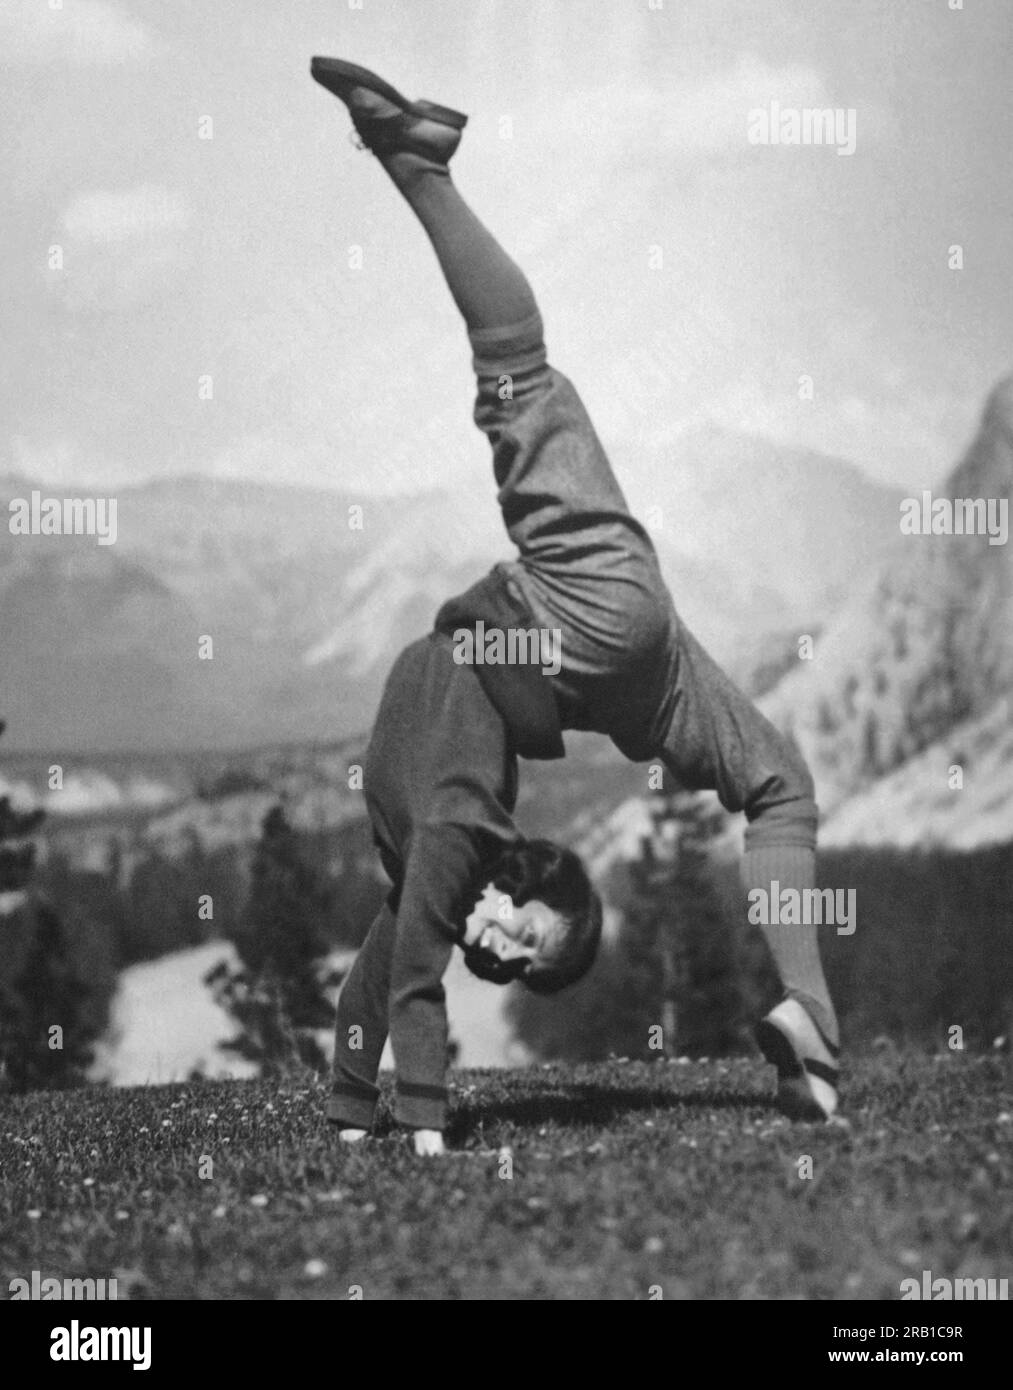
<point x="777" y="1050"/>
<point x="446" y="115"/>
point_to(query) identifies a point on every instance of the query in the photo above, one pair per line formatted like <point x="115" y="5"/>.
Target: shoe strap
<point x="832" y="1048"/>
<point x="390" y="134"/>
<point x="816" y="1068"/>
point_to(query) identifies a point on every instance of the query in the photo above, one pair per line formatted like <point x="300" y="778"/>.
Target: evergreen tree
<point x="55" y="982"/>
<point x="705" y="984"/>
<point x="649" y="944"/>
<point x="677" y="927"/>
<point x="279" y="993"/>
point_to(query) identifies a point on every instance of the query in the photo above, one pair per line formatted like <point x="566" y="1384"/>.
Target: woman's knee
<point x="783" y="810"/>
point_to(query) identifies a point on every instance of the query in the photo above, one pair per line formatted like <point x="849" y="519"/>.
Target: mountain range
<point x="308" y="600"/>
<point x="899" y="699"/>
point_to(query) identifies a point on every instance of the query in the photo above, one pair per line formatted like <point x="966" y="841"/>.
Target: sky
<point x="687" y="275"/>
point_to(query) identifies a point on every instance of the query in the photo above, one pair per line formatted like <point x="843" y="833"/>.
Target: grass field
<point x="625" y="1176"/>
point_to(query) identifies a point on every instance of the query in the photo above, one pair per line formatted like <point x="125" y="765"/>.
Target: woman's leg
<point x="560" y="501"/>
<point x="719" y="739"/>
<point x="488" y="287"/>
<point x="588" y="567"/>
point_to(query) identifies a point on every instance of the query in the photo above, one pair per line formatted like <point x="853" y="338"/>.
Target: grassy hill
<point x="625" y="1177"/>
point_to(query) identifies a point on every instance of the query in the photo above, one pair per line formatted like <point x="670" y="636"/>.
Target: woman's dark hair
<point x="538" y="870"/>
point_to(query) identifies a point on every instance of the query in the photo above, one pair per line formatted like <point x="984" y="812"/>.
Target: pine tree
<point x="676" y="927"/>
<point x="648" y="943"/>
<point x="279" y="993"/>
<point x="55" y="983"/>
<point x="705" y="980"/>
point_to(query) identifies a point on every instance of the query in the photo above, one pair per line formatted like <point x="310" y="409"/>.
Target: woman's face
<point x="529" y="932"/>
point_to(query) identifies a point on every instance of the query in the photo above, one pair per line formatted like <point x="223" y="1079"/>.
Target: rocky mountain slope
<point x="912" y="676"/>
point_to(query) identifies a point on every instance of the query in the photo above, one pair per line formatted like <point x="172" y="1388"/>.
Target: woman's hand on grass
<point x="429" y="1143"/>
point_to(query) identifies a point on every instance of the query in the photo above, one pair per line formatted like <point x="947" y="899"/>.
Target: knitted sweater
<point x="440" y="783"/>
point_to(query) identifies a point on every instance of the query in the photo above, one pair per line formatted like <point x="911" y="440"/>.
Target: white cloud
<point x="108" y="217"/>
<point x="84" y="33"/>
<point x="56" y="461"/>
<point x="121" y="246"/>
<point x="899" y="440"/>
<point x="59" y="461"/>
<point x="714" y="115"/>
<point x="709" y="115"/>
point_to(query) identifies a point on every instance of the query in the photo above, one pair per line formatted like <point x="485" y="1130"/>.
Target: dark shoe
<point x="421" y="127"/>
<point x="806" y="1062"/>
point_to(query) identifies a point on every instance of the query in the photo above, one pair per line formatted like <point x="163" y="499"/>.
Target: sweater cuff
<point x="350" y="1109"/>
<point x="420" y="1107"/>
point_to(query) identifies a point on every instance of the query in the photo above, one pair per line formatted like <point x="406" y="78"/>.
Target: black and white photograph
<point x="506" y="657"/>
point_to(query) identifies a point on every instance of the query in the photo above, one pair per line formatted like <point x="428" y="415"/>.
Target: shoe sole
<point x="794" y="1097"/>
<point x="335" y="74"/>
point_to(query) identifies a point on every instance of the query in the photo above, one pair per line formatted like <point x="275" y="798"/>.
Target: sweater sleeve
<point x="436" y="893"/>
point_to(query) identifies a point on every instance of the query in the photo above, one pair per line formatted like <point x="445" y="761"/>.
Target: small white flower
<point x="259" y="1200"/>
<point x="89" y="1182"/>
<point x="122" y="1216"/>
<point x="314" y="1269"/>
<point x="218" y="1212"/>
<point x="33" y="1213"/>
